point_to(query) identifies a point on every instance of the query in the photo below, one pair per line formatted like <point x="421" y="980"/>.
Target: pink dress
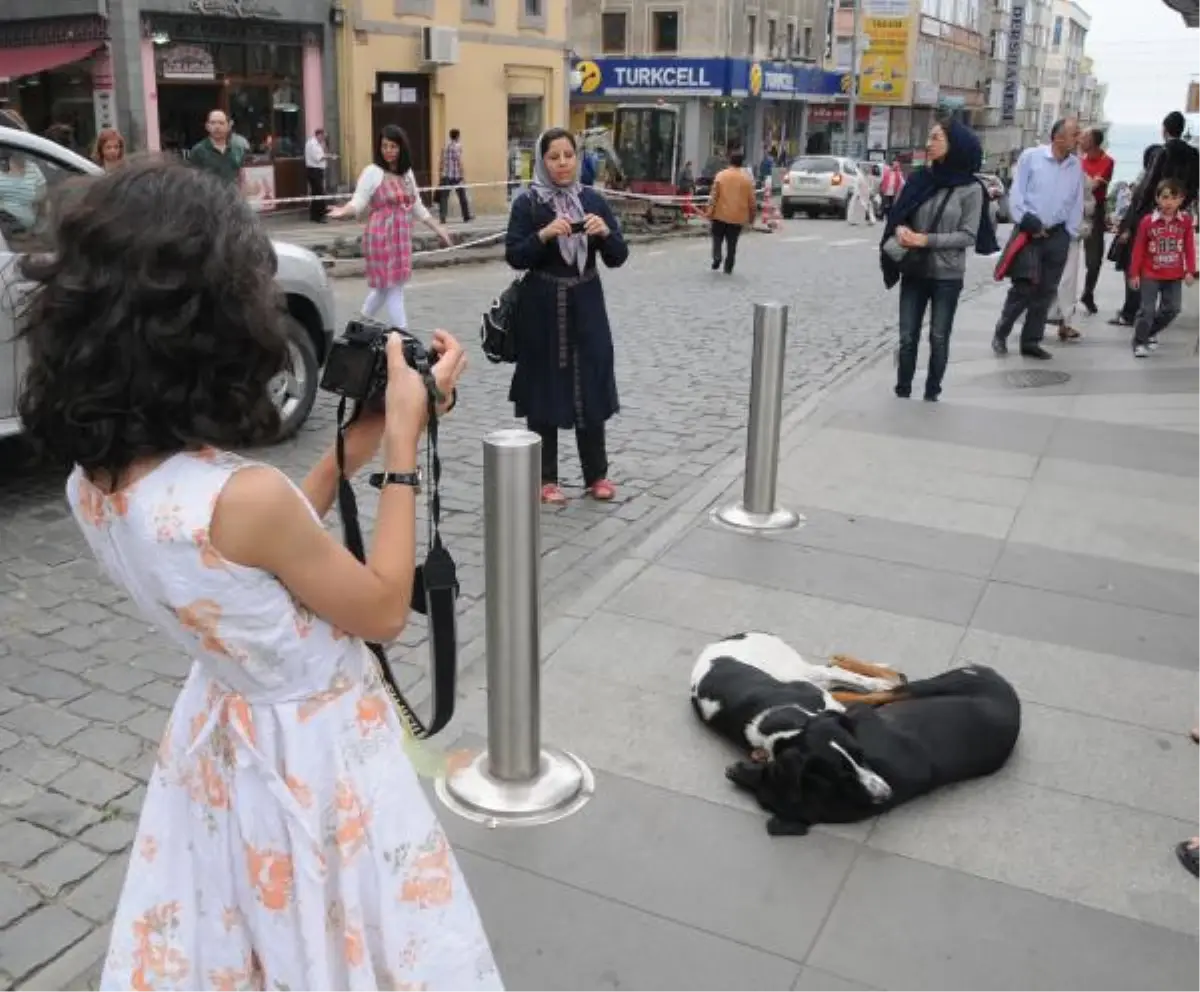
<point x="285" y="841"/>
<point x="387" y="241"/>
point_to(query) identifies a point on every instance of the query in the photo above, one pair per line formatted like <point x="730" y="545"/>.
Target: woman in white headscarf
<point x="564" y="371"/>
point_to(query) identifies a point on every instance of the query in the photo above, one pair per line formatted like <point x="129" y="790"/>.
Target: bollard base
<point x="563" y="786"/>
<point x="739" y="518"/>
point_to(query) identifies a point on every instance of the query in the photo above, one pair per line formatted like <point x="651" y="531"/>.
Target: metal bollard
<point x="516" y="781"/>
<point x="757" y="509"/>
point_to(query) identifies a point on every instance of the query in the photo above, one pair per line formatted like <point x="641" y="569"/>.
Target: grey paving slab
<point x="901" y="924"/>
<point x="1168" y="452"/>
<point x="885" y="585"/>
<point x="699" y="864"/>
<point x="1139" y="380"/>
<point x="1095" y="853"/>
<point x="1159" y="638"/>
<point x="1119" y="481"/>
<point x="1161" y="699"/>
<point x="1024" y="433"/>
<point x="1108" y="760"/>
<point x="889" y="540"/>
<point x="1094" y="577"/>
<point x="812" y="625"/>
<point x="547" y="935"/>
<point x="816" y="980"/>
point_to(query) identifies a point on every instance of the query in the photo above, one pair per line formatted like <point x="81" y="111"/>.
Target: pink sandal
<point x="603" y="490"/>
<point x="552" y="495"/>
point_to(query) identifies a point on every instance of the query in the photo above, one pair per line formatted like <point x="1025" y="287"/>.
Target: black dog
<point x="959" y="725"/>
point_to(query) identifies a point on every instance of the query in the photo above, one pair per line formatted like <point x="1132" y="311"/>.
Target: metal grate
<point x="1034" y="378"/>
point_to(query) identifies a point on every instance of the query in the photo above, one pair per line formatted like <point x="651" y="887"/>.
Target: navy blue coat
<point x="564" y="371"/>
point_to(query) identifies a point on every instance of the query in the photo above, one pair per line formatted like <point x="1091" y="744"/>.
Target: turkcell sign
<point x="1012" y="64"/>
<point x="662" y="77"/>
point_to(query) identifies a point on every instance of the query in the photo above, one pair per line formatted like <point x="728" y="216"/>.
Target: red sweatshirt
<point x="1164" y="248"/>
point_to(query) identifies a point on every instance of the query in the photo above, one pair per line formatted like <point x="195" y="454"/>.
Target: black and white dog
<point x="816" y="759"/>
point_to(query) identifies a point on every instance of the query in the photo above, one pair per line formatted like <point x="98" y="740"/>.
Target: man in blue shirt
<point x="1046" y="201"/>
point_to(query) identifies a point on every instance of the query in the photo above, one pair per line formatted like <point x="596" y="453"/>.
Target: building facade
<point x="497" y="70"/>
<point x="155" y="68"/>
<point x="742" y="73"/>
<point x="1062" y="83"/>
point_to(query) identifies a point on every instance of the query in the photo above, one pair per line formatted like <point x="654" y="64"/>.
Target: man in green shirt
<point x="216" y="153"/>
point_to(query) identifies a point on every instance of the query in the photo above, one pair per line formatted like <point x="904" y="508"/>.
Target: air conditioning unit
<point x="439" y="46"/>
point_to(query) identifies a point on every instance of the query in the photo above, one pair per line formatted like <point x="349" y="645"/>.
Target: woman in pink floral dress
<point x="388" y="190"/>
<point x="285" y="842"/>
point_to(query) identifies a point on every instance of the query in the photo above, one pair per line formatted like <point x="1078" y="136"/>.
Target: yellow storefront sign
<point x="883" y="67"/>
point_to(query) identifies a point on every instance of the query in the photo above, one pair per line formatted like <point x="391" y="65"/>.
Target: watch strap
<point x="380" y="479"/>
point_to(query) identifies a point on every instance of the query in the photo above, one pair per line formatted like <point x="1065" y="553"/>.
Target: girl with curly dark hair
<point x="281" y="798"/>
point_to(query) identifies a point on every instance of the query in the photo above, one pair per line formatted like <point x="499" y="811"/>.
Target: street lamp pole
<point x="852" y="109"/>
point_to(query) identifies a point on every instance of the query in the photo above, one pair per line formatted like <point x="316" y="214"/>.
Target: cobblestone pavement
<point x="85" y="685"/>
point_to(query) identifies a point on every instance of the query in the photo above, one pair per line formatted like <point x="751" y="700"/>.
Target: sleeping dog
<point x="759" y="693"/>
<point x="815" y="760"/>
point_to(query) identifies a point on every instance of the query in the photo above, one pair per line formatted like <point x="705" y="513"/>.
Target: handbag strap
<point x="937" y="216"/>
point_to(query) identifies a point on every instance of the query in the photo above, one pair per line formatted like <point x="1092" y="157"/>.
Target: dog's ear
<point x="777" y="827"/>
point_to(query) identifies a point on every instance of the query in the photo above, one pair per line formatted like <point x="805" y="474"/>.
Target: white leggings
<point x="393" y="298"/>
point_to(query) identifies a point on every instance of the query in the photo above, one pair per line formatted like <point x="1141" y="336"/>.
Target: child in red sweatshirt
<point x="1164" y="257"/>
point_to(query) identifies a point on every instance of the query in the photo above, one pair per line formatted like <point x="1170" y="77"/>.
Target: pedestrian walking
<point x="316" y="162"/>
<point x="452" y="177"/>
<point x="218" y="153"/>
<point x="731" y="206"/>
<point x="109" y="150"/>
<point x="1098" y="169"/>
<point x="940" y="214"/>
<point x="1046" y="201"/>
<point x="285" y="841"/>
<point x="860" y="197"/>
<point x="564" y="375"/>
<point x="1120" y="251"/>
<point x="1164" y="257"/>
<point x="1174" y="159"/>
<point x="387" y="190"/>
<point x="890" y="186"/>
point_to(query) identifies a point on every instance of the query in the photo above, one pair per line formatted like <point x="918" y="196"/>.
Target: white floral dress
<point x="285" y="842"/>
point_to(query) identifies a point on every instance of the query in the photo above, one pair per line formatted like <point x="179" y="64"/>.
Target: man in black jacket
<point x="1176" y="160"/>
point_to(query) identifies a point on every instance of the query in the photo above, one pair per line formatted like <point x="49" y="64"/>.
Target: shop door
<point x="403" y="99"/>
<point x="183" y="110"/>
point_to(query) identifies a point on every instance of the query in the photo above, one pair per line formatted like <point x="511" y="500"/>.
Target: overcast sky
<point x="1145" y="54"/>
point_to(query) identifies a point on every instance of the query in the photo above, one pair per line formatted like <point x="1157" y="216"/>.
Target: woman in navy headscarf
<point x="940" y="214"/>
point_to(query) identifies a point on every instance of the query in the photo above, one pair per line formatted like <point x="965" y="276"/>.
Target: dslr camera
<point x="356" y="368"/>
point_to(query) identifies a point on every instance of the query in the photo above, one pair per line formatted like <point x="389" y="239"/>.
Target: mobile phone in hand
<point x="576" y="227"/>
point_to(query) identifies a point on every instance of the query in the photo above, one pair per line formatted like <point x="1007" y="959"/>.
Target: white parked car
<point x="25" y="207"/>
<point x="818" y="184"/>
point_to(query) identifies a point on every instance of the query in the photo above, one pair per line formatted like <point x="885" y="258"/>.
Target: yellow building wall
<point x="495" y="62"/>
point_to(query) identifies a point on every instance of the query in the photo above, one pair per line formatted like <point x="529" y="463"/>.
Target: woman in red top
<point x="1098" y="167"/>
<point x="1164" y="257"/>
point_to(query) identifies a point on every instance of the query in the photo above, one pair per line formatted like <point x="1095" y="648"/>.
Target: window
<point x="613" y="32"/>
<point x="1058" y="26"/>
<point x="666" y="30"/>
<point x="480" y="11"/>
<point x="533" y="8"/>
<point x="751" y="34"/>
<point x="808" y="45"/>
<point x="29" y="185"/>
<point x="791" y="40"/>
<point x="772" y="37"/>
<point x="533" y="15"/>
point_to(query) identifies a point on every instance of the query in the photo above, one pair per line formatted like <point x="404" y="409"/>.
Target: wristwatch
<point x="381" y="479"/>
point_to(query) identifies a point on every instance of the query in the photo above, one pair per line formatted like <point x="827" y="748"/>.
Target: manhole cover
<point x="1035" y="378"/>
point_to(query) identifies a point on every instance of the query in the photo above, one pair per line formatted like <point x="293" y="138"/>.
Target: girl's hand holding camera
<point x="406" y="409"/>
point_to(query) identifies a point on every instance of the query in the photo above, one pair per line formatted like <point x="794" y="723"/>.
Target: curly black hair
<point x="154" y="326"/>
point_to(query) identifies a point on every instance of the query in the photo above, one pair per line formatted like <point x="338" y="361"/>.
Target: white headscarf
<point x="564" y="199"/>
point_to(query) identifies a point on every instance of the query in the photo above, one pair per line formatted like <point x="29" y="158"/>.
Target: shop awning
<point x="1189" y="10"/>
<point x="18" y="62"/>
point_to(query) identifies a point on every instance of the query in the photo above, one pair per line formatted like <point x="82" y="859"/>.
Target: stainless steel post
<point x="757" y="510"/>
<point x="515" y="781"/>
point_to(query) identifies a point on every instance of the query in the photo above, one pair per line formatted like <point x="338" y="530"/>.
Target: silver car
<point x="819" y="184"/>
<point x="31" y="170"/>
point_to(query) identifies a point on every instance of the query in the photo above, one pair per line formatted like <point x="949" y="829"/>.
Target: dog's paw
<point x="745" y="774"/>
<point x="786" y="828"/>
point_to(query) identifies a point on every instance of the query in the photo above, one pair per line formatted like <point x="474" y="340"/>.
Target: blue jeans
<point x="941" y="296"/>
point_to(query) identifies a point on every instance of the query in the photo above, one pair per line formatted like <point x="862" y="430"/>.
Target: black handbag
<point x="496" y="328"/>
<point x="915" y="261"/>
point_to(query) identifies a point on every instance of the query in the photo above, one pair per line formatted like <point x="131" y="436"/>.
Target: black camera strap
<point x="435" y="584"/>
